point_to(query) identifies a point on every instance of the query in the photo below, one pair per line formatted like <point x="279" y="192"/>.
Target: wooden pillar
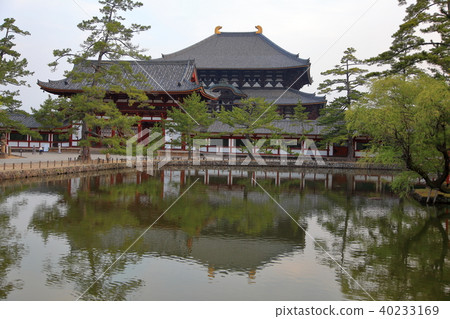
<point x="206" y="177"/>
<point x="182" y="177"/>
<point x="70" y="140"/>
<point x="162" y="183"/>
<point x="138" y="177"/>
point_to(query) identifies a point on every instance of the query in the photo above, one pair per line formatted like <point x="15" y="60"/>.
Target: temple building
<point x="239" y="65"/>
<point x="166" y="84"/>
<point x="247" y="64"/>
<point x="49" y="137"/>
<point x="223" y="68"/>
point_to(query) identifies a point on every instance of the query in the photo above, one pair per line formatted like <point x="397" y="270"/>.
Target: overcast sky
<point x="317" y="29"/>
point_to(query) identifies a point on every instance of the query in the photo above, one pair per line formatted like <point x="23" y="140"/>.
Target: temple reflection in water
<point x="224" y="239"/>
<point x="218" y="240"/>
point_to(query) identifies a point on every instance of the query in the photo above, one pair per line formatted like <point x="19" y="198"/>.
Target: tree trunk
<point x="190" y="153"/>
<point x="85" y="154"/>
<point x="247" y="136"/>
<point x="438" y="183"/>
<point x="350" y="149"/>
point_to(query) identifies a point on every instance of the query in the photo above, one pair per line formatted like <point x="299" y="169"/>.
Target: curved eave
<point x="303" y="104"/>
<point x="235" y="90"/>
<point x="257" y="69"/>
<point x="56" y="91"/>
<point x="194" y="51"/>
<point x="205" y="94"/>
<point x="243" y="95"/>
<point x="186" y="92"/>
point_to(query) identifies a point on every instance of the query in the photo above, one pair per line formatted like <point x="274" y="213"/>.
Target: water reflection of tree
<point x="102" y="218"/>
<point x="11" y="249"/>
<point x="83" y="218"/>
<point x="397" y="255"/>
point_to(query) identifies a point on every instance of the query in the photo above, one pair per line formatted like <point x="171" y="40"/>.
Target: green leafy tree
<point x="12" y="70"/>
<point x="407" y="120"/>
<point x="250" y="115"/>
<point x="48" y="114"/>
<point x="108" y="42"/>
<point x="346" y="79"/>
<point x="301" y="118"/>
<point x="192" y="119"/>
<point x="424" y="36"/>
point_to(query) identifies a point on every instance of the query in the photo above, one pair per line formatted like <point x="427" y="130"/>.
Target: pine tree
<point x="424" y="36"/>
<point x="99" y="69"/>
<point x="12" y="69"/>
<point x="346" y="79"/>
<point x="48" y="114"/>
<point x="248" y="116"/>
<point x="301" y="118"/>
<point x="189" y="120"/>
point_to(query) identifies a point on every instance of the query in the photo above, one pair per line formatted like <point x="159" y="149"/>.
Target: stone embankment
<point x="48" y="168"/>
<point x="287" y="165"/>
<point x="49" y="171"/>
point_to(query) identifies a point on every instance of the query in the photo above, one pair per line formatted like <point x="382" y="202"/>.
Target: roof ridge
<point x="153" y="61"/>
<point x="235" y="33"/>
<point x="266" y="40"/>
<point x="189" y="47"/>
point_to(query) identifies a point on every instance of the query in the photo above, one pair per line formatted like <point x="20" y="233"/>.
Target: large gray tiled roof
<point x="172" y="76"/>
<point x="287" y="126"/>
<point x="238" y="50"/>
<point x="284" y="97"/>
<point x="24" y="119"/>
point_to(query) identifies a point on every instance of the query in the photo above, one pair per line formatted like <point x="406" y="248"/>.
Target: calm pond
<point x="349" y="238"/>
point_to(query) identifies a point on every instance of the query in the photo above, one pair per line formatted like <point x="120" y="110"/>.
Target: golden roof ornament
<point x="217" y="29"/>
<point x="259" y="28"/>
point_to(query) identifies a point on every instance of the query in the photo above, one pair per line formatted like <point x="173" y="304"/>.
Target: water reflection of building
<point x="231" y="253"/>
<point x="235" y="252"/>
<point x="234" y="179"/>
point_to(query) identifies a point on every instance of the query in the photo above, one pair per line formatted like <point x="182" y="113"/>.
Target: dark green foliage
<point x="424" y="36"/>
<point x="251" y="114"/>
<point x="192" y="119"/>
<point x="12" y="70"/>
<point x="49" y="114"/>
<point x="109" y="39"/>
<point x="346" y="79"/>
<point x="301" y="116"/>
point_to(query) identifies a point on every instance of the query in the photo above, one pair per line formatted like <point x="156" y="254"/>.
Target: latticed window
<point x="60" y="138"/>
<point x="14" y="136"/>
<point x="44" y="138"/>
